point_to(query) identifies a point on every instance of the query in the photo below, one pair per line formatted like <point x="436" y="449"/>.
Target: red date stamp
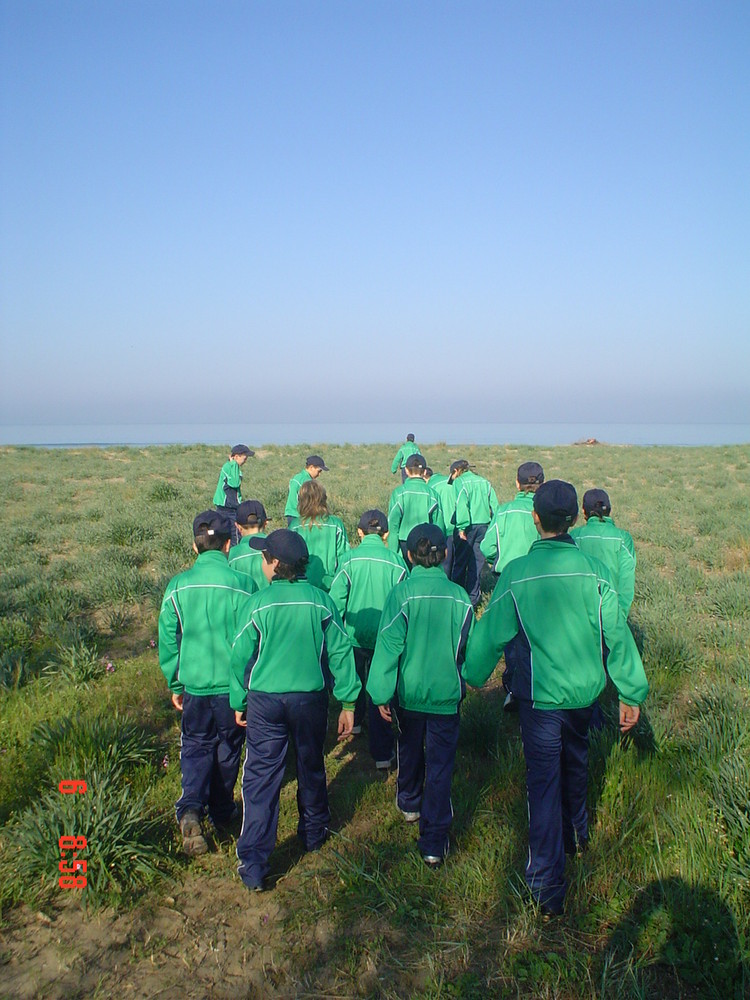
<point x="73" y="868"/>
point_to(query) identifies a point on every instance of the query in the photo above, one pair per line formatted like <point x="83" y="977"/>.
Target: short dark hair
<point x="424" y="554"/>
<point x="409" y="437"/>
<point x="557" y="523"/>
<point x="287" y="571"/>
<point x="209" y="543"/>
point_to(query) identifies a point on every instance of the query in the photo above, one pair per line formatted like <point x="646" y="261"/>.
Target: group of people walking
<point x="254" y="637"/>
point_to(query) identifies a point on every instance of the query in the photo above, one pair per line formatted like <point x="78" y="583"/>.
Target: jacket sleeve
<point x="397" y="460"/>
<point x="381" y="683"/>
<point x="339" y="592"/>
<point x="463" y="513"/>
<point x="494" y="505"/>
<point x="170" y="639"/>
<point x="492" y="633"/>
<point x="346" y="682"/>
<point x="624" y="662"/>
<point x="490" y="544"/>
<point x="626" y="571"/>
<point x="244" y="654"/>
<point x="395" y="513"/>
<point x="291" y="499"/>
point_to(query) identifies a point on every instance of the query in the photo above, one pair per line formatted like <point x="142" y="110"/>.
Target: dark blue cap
<point x="530" y="473"/>
<point x="214" y="523"/>
<point x="415" y="462"/>
<point x="285" y="545"/>
<point x="373" y="522"/>
<point x="557" y="499"/>
<point x="241" y="449"/>
<point x="596" y="500"/>
<point x="460" y="465"/>
<point x="251" y="512"/>
<point x="317" y="462"/>
<point x="431" y="532"/>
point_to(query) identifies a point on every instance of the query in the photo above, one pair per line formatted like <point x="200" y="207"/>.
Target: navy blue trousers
<point x="426" y="755"/>
<point x="379" y="732"/>
<point x="468" y="561"/>
<point x="231" y="514"/>
<point x="210" y="751"/>
<point x="272" y="720"/>
<point x="447" y="563"/>
<point x="556" y="748"/>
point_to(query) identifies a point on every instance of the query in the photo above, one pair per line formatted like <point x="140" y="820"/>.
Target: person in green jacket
<point x="511" y="534"/>
<point x="314" y="465"/>
<point x="197" y="624"/>
<point x="411" y="503"/>
<point x="359" y="590"/>
<point x="563" y="607"/>
<point x="324" y="534"/>
<point x="601" y="538"/>
<point x="476" y="502"/>
<point x="424" y="628"/>
<point x="290" y="646"/>
<point x="512" y="531"/>
<point x="442" y="487"/>
<point x="251" y="521"/>
<point x="409" y="447"/>
<point x="228" y="493"/>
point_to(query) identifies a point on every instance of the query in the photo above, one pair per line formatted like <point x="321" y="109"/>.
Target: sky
<point x="363" y="210"/>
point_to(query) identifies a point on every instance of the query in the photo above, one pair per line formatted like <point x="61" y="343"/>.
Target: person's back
<point x="512" y="531"/>
<point x="601" y="538"/>
<point x="476" y="500"/>
<point x="327" y="544"/>
<point x="412" y="503"/>
<point x="408" y="448"/>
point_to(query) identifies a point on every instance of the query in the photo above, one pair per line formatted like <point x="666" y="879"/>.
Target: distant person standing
<point x="228" y="494"/>
<point x="601" y="538"/>
<point x="409" y="447"/>
<point x="411" y="503"/>
<point x="313" y="468"/>
<point x="476" y="502"/>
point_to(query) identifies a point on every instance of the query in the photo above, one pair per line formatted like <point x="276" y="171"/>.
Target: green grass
<point x="658" y="906"/>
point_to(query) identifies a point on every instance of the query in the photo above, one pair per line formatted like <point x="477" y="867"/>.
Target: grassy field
<point x="659" y="906"/>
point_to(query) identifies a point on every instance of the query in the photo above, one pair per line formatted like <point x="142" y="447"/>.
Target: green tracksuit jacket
<point x="248" y="562"/>
<point x="280" y="646"/>
<point x="198" y="623"/>
<point x="443" y="490"/>
<point x="476" y="500"/>
<point x="562" y="606"/>
<point x="407" y="448"/>
<point x="511" y="533"/>
<point x="614" y="547"/>
<point x="229" y="487"/>
<point x="411" y="503"/>
<point x="361" y="585"/>
<point x="423" y="632"/>
<point x="294" y="487"/>
<point x="327" y="545"/>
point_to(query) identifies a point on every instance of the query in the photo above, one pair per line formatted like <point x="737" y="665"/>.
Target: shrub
<point x="77" y="664"/>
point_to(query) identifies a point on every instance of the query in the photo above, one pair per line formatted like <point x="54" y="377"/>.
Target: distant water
<point x="100" y="435"/>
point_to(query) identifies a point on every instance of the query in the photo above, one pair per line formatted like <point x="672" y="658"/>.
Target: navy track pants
<point x="210" y="751"/>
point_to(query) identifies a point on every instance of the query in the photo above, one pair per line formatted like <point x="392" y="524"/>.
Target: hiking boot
<point x="193" y="841"/>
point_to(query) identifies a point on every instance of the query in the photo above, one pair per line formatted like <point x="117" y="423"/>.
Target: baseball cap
<point x="409" y="437"/>
<point x="285" y="545"/>
<point x="318" y="462"/>
<point x="596" y="500"/>
<point x="251" y="512"/>
<point x="431" y="532"/>
<point x="212" y="522"/>
<point x="242" y="449"/>
<point x="374" y="521"/>
<point x="557" y="499"/>
<point x="530" y="473"/>
<point x="460" y="465"/>
<point x="415" y="462"/>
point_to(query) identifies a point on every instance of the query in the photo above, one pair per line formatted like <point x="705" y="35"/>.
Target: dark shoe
<point x="193" y="841"/>
<point x="222" y="824"/>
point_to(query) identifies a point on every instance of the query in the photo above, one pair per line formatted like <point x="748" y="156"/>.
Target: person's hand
<point x="385" y="712"/>
<point x="462" y="535"/>
<point x="177" y="701"/>
<point x="239" y="718"/>
<point x="629" y="715"/>
<point x="346" y="724"/>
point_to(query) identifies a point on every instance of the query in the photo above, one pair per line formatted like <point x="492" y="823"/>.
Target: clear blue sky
<point x="371" y="209"/>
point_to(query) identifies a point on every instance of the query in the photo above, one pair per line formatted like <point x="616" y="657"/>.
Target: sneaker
<point x="386" y="765"/>
<point x="356" y="730"/>
<point x="410" y="817"/>
<point x="432" y="860"/>
<point x="510" y="704"/>
<point x="193" y="841"/>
